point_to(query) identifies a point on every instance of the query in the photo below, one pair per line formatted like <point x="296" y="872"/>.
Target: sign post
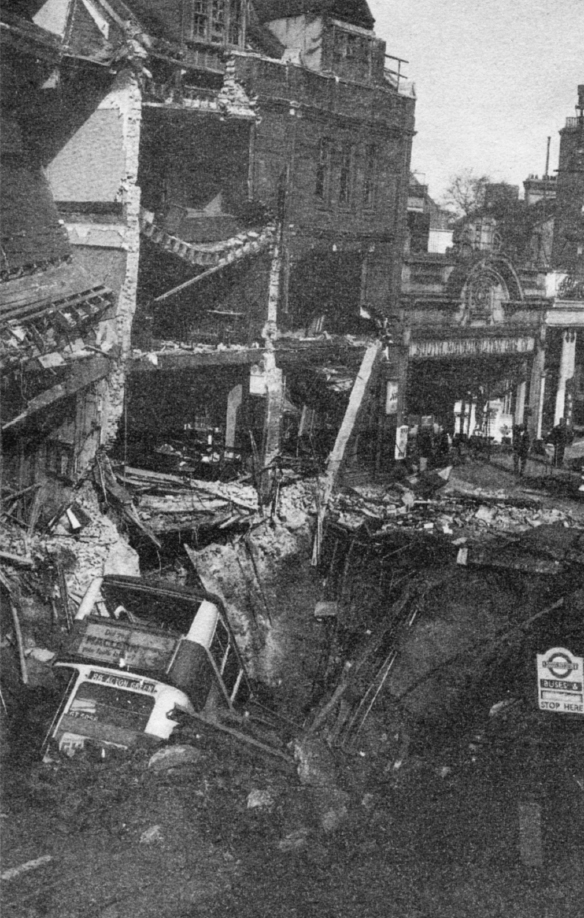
<point x="560" y="681"/>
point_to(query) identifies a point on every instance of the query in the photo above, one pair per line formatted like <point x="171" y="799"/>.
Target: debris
<point x="363" y="382"/>
<point x="17" y="628"/>
<point x="19" y="560"/>
<point x="64" y="596"/>
<point x="353" y="668"/>
<point x="332" y="807"/>
<point x="294" y="840"/>
<point x="174" y="757"/>
<point x="41" y="654"/>
<point x="316" y="765"/>
<point x="485" y="514"/>
<point x="237" y="734"/>
<point x="14" y="872"/>
<point x="326" y="609"/>
<point x="260" y="799"/>
<point x="152" y="836"/>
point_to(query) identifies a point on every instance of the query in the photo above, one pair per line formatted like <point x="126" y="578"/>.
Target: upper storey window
<point x="323" y="169"/>
<point x="351" y="54"/>
<point x="346" y="173"/>
<point x="216" y="22"/>
<point x="370" y="177"/>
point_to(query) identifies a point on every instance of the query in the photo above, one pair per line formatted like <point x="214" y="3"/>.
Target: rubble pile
<point x="48" y="568"/>
<point x="172" y="503"/>
<point x="98" y="549"/>
<point x="452" y="512"/>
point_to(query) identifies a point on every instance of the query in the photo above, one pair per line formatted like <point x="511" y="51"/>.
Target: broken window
<point x="323" y="169"/>
<point x="370" y="177"/>
<point x="346" y="173"/>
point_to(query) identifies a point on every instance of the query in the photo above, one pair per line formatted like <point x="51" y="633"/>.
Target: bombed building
<point x="237" y="178"/>
<point x="271" y="639"/>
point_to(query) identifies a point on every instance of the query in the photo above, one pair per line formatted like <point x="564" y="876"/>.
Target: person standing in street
<point x="559" y="438"/>
<point x="521" y="446"/>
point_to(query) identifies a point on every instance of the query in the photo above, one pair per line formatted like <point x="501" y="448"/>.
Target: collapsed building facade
<point x="59" y="350"/>
<point x="235" y="176"/>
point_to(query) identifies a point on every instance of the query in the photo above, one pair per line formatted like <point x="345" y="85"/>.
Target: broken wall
<point x="94" y="179"/>
<point x="188" y="159"/>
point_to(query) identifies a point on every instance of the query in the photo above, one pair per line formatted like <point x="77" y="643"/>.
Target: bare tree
<point x="466" y="192"/>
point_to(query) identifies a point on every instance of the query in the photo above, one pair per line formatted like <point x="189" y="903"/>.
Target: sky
<point x="494" y="79"/>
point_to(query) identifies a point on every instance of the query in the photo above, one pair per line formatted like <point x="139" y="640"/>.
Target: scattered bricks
<point x="332" y="807"/>
<point x="316" y="765"/>
<point x="152" y="836"/>
<point x="174" y="757"/>
<point x="295" y="840"/>
<point x="260" y="799"/>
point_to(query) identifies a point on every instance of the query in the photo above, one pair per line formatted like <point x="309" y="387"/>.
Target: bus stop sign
<point x="559" y="681"/>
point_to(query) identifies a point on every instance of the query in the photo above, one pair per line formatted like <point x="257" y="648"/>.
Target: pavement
<point x="556" y="488"/>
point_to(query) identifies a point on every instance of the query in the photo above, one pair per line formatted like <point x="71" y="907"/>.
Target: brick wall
<point x="357" y="208"/>
<point x="568" y="244"/>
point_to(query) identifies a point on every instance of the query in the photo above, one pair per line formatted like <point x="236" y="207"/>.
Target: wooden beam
<point x="82" y="375"/>
<point x="191" y="360"/>
<point x="358" y="400"/>
<point x="191" y="281"/>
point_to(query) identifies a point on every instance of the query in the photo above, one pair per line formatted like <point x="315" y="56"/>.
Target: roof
<point x="22" y="35"/>
<point x="25" y="299"/>
<point x="32" y="232"/>
<point x="355" y="12"/>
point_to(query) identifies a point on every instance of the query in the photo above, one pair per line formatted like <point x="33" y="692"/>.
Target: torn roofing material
<point x="207" y="254"/>
<point x="27" y="298"/>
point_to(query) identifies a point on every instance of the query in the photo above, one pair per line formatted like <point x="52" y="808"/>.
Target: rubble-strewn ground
<point x="437" y="837"/>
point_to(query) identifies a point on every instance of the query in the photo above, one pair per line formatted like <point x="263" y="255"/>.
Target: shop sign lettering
<point x="469" y="347"/>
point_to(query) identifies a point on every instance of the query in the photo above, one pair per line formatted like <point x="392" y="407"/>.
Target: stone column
<point x="234" y="400"/>
<point x="520" y="402"/>
<point x="536" y="393"/>
<point x="567" y="366"/>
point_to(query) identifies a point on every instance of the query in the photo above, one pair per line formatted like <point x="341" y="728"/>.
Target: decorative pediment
<point x="484" y="294"/>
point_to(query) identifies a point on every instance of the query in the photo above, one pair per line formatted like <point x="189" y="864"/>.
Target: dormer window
<point x="216" y="22"/>
<point x="351" y="53"/>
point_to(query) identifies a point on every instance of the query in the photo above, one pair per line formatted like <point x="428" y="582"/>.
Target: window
<point x="323" y="169"/>
<point x="217" y="20"/>
<point x="200" y="19"/>
<point x="351" y="55"/>
<point x="353" y="47"/>
<point x="346" y="173"/>
<point x="214" y="21"/>
<point x="235" y="22"/>
<point x="370" y="177"/>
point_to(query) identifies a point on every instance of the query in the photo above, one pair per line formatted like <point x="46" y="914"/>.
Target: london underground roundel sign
<point x="560" y="681"/>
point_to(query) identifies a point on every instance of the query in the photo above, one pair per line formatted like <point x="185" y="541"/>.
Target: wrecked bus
<point x="137" y="652"/>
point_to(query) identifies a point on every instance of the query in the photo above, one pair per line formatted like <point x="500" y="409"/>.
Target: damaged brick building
<point x="58" y="349"/>
<point x="235" y="174"/>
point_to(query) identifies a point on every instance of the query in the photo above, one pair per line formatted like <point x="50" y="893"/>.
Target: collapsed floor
<point x="407" y="652"/>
